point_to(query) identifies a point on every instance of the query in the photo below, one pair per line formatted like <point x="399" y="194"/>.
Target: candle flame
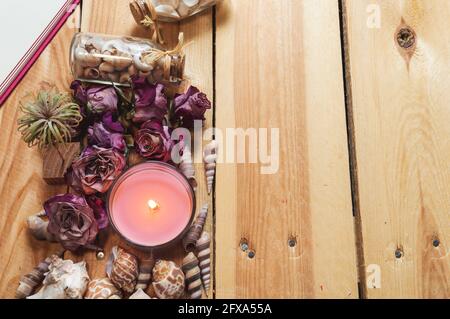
<point x="153" y="205"/>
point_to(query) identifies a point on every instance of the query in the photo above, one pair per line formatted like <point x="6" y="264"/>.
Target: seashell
<point x="187" y="167"/>
<point x="64" y="280"/>
<point x="122" y="61"/>
<point x="210" y="160"/>
<point x="124" y="77"/>
<point x="102" y="289"/>
<point x="204" y="257"/>
<point x="122" y="269"/>
<point x="38" y="227"/>
<point x="186" y="7"/>
<point x="30" y="281"/>
<point x="145" y="273"/>
<point x="141" y="65"/>
<point x="114" y="77"/>
<point x="140" y="294"/>
<point x="190" y="239"/>
<point x="193" y="276"/>
<point x="168" y="280"/>
<point x="106" y="67"/>
<point x="167" y="11"/>
<point x="86" y="58"/>
<point x="91" y="73"/>
<point x="132" y="70"/>
<point x="114" y="46"/>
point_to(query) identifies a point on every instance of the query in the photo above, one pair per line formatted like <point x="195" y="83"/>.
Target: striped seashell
<point x="193" y="277"/>
<point x="102" y="289"/>
<point x="168" y="280"/>
<point x="29" y="282"/>
<point x="210" y="160"/>
<point x="187" y="167"/>
<point x="145" y="273"/>
<point x="190" y="239"/>
<point x="204" y="256"/>
<point x="122" y="269"/>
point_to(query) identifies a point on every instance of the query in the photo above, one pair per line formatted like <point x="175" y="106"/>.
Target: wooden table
<point x="360" y="204"/>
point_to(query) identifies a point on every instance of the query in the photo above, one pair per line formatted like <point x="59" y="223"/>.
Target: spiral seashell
<point x="210" y="160"/>
<point x="193" y="276"/>
<point x="38" y="227"/>
<point x="168" y="280"/>
<point x="87" y="59"/>
<point x="91" y="73"/>
<point x="204" y="257"/>
<point x="190" y="239"/>
<point x="30" y="281"/>
<point x="141" y="65"/>
<point x="145" y="273"/>
<point x="187" y="167"/>
<point x="102" y="289"/>
<point x="122" y="269"/>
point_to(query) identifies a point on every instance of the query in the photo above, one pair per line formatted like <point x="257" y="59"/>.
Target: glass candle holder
<point x="151" y="205"/>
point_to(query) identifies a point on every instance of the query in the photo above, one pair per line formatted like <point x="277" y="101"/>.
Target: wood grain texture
<point x="114" y="17"/>
<point x="57" y="160"/>
<point x="22" y="189"/>
<point x="279" y="66"/>
<point x="401" y="116"/>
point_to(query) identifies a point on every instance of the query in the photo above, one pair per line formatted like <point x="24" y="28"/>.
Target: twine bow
<point x="151" y="21"/>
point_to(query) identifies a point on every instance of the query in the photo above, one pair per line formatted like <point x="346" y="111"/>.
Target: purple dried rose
<point x="71" y="221"/>
<point x="153" y="141"/>
<point x="190" y="106"/>
<point x="107" y="134"/>
<point x="79" y="92"/>
<point x="101" y="99"/>
<point x="98" y="206"/>
<point x="95" y="170"/>
<point x="150" y="101"/>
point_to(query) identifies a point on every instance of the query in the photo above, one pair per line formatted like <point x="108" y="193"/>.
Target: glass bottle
<point x="169" y="10"/>
<point x="107" y="59"/>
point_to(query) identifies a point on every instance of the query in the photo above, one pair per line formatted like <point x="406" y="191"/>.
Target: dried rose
<point x="102" y="99"/>
<point x="102" y="134"/>
<point x="71" y="221"/>
<point x="153" y="141"/>
<point x="190" y="106"/>
<point x="150" y="101"/>
<point x="95" y="170"/>
<point x="79" y="92"/>
<point x="98" y="206"/>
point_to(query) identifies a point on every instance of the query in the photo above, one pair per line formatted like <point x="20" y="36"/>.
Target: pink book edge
<point x="70" y="9"/>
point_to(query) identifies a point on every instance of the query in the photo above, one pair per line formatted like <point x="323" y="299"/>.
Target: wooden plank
<point x="401" y="116"/>
<point x="104" y="16"/>
<point x="22" y="189"/>
<point x="279" y="66"/>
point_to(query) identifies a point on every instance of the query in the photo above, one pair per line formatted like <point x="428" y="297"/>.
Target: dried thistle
<point x="49" y="118"/>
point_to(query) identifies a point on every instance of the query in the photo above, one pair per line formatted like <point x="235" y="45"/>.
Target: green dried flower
<point x="49" y="118"/>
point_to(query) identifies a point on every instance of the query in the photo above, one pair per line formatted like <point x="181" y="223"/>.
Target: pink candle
<point x="151" y="204"/>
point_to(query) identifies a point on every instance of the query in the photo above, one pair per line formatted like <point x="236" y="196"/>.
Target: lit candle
<point x="151" y="204"/>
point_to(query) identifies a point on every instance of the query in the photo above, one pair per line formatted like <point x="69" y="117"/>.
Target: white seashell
<point x="210" y="160"/>
<point x="64" y="280"/>
<point x="38" y="227"/>
<point x="140" y="294"/>
<point x="87" y="59"/>
<point x="167" y="11"/>
<point x="204" y="257"/>
<point x="142" y="66"/>
<point x="187" y="167"/>
<point x="116" y="44"/>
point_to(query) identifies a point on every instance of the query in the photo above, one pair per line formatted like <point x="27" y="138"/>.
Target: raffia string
<point x="151" y="22"/>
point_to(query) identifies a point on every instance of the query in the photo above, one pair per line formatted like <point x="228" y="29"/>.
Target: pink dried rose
<point x="98" y="99"/>
<point x="107" y="134"/>
<point x="190" y="106"/>
<point x="95" y="170"/>
<point x="98" y="207"/>
<point x="153" y="141"/>
<point x="150" y="101"/>
<point x="71" y="221"/>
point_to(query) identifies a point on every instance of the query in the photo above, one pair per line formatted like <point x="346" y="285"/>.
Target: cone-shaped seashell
<point x="30" y="281"/>
<point x="193" y="277"/>
<point x="64" y="280"/>
<point x="38" y="227"/>
<point x="190" y="239"/>
<point x="102" y="289"/>
<point x="204" y="257"/>
<point x="187" y="167"/>
<point x="140" y="294"/>
<point x="168" y="11"/>
<point x="168" y="280"/>
<point x="122" y="269"/>
<point x="145" y="273"/>
<point x="210" y="160"/>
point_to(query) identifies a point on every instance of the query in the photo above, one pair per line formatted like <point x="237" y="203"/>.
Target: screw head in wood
<point x="406" y="38"/>
<point x="251" y="254"/>
<point x="244" y="245"/>
<point x="292" y="242"/>
<point x="436" y="242"/>
<point x="398" y="253"/>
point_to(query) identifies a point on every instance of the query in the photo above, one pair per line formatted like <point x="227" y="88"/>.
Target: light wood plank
<point x="105" y="16"/>
<point x="279" y="66"/>
<point x="22" y="189"/>
<point x="401" y="118"/>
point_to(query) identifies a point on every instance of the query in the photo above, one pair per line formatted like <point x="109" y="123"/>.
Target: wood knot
<point x="406" y="37"/>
